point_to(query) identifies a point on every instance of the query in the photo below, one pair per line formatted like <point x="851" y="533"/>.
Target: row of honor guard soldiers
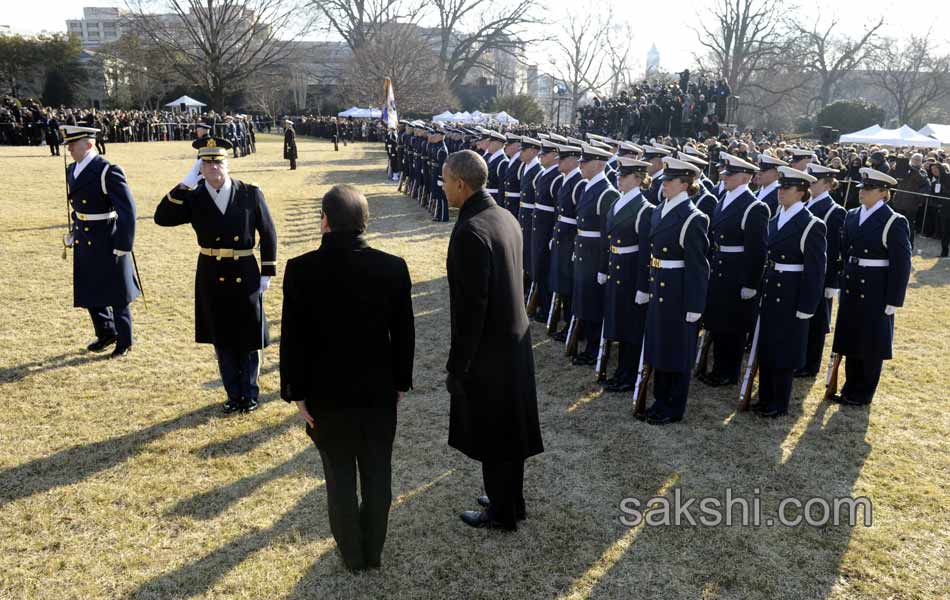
<point x="636" y="245"/>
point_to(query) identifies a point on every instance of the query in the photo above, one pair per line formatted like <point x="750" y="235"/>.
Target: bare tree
<point x="218" y="44"/>
<point x="143" y="69"/>
<point x="358" y="21"/>
<point x="580" y="57"/>
<point x="912" y="74"/>
<point x="832" y="57"/>
<point x="618" y="61"/>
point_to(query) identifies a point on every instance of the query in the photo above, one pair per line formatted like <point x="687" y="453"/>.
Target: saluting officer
<point x="202" y="129"/>
<point x="530" y="169"/>
<point x="823" y="206"/>
<point x="790" y="296"/>
<point x="102" y="235"/>
<point x="876" y="250"/>
<point x="679" y="274"/>
<point x="546" y="187"/>
<point x="290" y="144"/>
<point x="565" y="230"/>
<point x="767" y="180"/>
<point x="627" y="268"/>
<point x="738" y="233"/>
<point x="511" y="180"/>
<point x="225" y="214"/>
<point x="589" y="250"/>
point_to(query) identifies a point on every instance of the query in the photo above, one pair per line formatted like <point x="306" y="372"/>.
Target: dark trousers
<point x="775" y="388"/>
<point x="100" y="146"/>
<point x="351" y="439"/>
<point x="861" y="378"/>
<point x="815" y="346"/>
<point x="504" y="486"/>
<point x="54" y="148"/>
<point x="591" y="331"/>
<point x="945" y="229"/>
<point x="565" y="311"/>
<point x="728" y="347"/>
<point x="670" y="389"/>
<point x="293" y="164"/>
<point x="628" y="362"/>
<point x="111" y="321"/>
<point x="239" y="371"/>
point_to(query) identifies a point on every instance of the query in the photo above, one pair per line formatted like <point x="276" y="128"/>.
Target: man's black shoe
<point x="249" y="405"/>
<point x="803" y="372"/>
<point x="718" y="380"/>
<point x="481" y="518"/>
<point x="664" y="420"/>
<point x="232" y="406"/>
<point x="521" y="514"/>
<point x="102" y="343"/>
<point x="560" y="336"/>
<point x="772" y="413"/>
<point x="848" y="401"/>
<point x="619" y="387"/>
<point x="583" y="360"/>
<point x="121" y="351"/>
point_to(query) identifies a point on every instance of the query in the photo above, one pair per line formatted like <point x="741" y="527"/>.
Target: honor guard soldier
<point x="202" y="130"/>
<point x="704" y="200"/>
<point x="227" y="216"/>
<point x="875" y="247"/>
<point x="101" y="236"/>
<point x="654" y="155"/>
<point x="737" y="234"/>
<point x="800" y="158"/>
<point x="546" y="187"/>
<point x="392" y="152"/>
<point x="565" y="230"/>
<point x="625" y="150"/>
<point x="823" y="206"/>
<point x="52" y="136"/>
<point x="627" y="268"/>
<point x="589" y="250"/>
<point x="290" y="144"/>
<point x="794" y="277"/>
<point x="439" y="153"/>
<point x="767" y="180"/>
<point x="497" y="165"/>
<point x="679" y="274"/>
<point x="511" y="181"/>
<point x="530" y="169"/>
<point x="690" y="150"/>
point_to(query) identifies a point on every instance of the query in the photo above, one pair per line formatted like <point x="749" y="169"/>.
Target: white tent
<point x="941" y="133"/>
<point x="506" y="119"/>
<point x="445" y="116"/>
<point x="186" y="104"/>
<point x="361" y="113"/>
<point x="865" y="136"/>
<point x="902" y="136"/>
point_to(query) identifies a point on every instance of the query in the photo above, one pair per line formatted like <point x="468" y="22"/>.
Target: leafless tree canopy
<point x="913" y="74"/>
<point x="580" y="60"/>
<point x="218" y="44"/>
<point x="358" y="21"/>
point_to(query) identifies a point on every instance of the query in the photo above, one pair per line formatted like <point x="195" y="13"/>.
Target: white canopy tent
<point x="186" y="104"/>
<point x="506" y="119"/>
<point x="475" y="117"/>
<point x="361" y="113"/>
<point x="445" y="116"/>
<point x="902" y="136"/>
<point x="865" y="136"/>
<point x="941" y="133"/>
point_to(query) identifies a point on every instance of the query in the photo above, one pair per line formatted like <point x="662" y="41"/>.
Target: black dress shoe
<point x="232" y="406"/>
<point x="481" y="518"/>
<point x="541" y="316"/>
<point x="849" y="401"/>
<point x="663" y="420"/>
<point x="803" y="372"/>
<point x="702" y="377"/>
<point x="521" y="514"/>
<point x="718" y="380"/>
<point x="249" y="405"/>
<point x="584" y="360"/>
<point x="121" y="351"/>
<point x="483" y="501"/>
<point x="560" y="336"/>
<point x="771" y="413"/>
<point x="102" y="343"/>
<point x="619" y="387"/>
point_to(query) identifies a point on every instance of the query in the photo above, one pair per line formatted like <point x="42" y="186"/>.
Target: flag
<point x="389" y="117"/>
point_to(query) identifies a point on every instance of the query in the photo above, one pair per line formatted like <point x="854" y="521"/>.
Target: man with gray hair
<point x="494" y="409"/>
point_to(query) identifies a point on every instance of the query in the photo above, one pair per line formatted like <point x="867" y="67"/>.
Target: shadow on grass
<point x="69" y="359"/>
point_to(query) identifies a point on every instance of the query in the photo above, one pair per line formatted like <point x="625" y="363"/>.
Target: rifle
<point x="532" y="306"/>
<point x="138" y="277"/>
<point x="570" y="345"/>
<point x="554" y="314"/>
<point x="603" y="357"/>
<point x="702" y="355"/>
<point x="67" y="241"/>
<point x="644" y="372"/>
<point x="831" y="380"/>
<point x="402" y="178"/>
<point x="752" y="368"/>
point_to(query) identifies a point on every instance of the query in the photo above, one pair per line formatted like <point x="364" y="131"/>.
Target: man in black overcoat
<point x="494" y="409"/>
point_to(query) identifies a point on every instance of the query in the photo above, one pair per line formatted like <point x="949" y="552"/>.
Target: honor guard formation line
<point x="693" y="265"/>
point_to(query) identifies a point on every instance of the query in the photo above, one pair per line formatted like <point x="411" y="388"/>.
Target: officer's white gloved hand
<point x="601" y="278"/>
<point x="642" y="298"/>
<point x="265" y="284"/>
<point x="747" y="293"/>
<point x="551" y="244"/>
<point x="120" y="252"/>
<point x="692" y="317"/>
<point x="890" y="310"/>
<point x="799" y="314"/>
<point x="830" y="293"/>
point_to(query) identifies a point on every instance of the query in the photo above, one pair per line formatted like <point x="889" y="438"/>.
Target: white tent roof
<point x="939" y="132"/>
<point x="505" y="118"/>
<point x="861" y="137"/>
<point x="361" y="113"/>
<point x="445" y="116"/>
<point x="187" y="101"/>
<point x="902" y="136"/>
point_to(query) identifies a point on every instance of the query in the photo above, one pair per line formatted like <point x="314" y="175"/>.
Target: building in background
<point x="653" y="61"/>
<point x="551" y="94"/>
<point x="98" y="26"/>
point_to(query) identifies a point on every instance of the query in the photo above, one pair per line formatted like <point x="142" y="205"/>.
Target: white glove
<point x="830" y="293"/>
<point x="799" y="314"/>
<point x="265" y="284"/>
<point x="191" y="179"/>
<point x="601" y="278"/>
<point x="747" y="293"/>
<point x="890" y="310"/>
<point x="642" y="298"/>
<point x="120" y="252"/>
<point x="551" y="244"/>
<point x="692" y="317"/>
<point x="68" y="239"/>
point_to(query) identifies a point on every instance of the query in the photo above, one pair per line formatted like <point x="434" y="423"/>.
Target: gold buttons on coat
<point x="89" y="243"/>
<point x="662" y="284"/>
<point x="85" y="202"/>
<point x="237" y="237"/>
<point x="665" y="249"/>
<point x="661" y="299"/>
<point x="85" y="229"/>
<point x="221" y="279"/>
<point x="238" y="280"/>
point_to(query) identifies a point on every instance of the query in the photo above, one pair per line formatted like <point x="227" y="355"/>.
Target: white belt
<point x="513" y="194"/>
<point x="97" y="216"/>
<point x="544" y="207"/>
<point x="788" y="267"/>
<point x="732" y="249"/>
<point x="656" y="263"/>
<point x="527" y="205"/>
<point x="624" y="249"/>
<point x="588" y="233"/>
<point x="871" y="262"/>
<point x="491" y="190"/>
<point x="567" y="220"/>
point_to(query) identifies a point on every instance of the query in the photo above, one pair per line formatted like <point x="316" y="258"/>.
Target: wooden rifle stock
<point x="702" y="355"/>
<point x="603" y="357"/>
<point x="570" y="345"/>
<point x="532" y="306"/>
<point x="554" y="314"/>
<point x="644" y="373"/>
<point x="831" y="383"/>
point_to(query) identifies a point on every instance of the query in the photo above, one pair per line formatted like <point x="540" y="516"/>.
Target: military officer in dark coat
<point x="102" y="235"/>
<point x="875" y="247"/>
<point x="790" y="296"/>
<point x="832" y="214"/>
<point x="800" y="158"/>
<point x="227" y="216"/>
<point x="439" y="153"/>
<point x="767" y="180"/>
<point x="497" y="162"/>
<point x="511" y="180"/>
<point x="565" y="230"/>
<point x="690" y="150"/>
<point x="679" y="275"/>
<point x="654" y="155"/>
<point x="494" y="411"/>
<point x="624" y="150"/>
<point x="546" y="186"/>
<point x="52" y="136"/>
<point x="704" y="200"/>
<point x="590" y="251"/>
<point x="530" y="169"/>
<point x="737" y="234"/>
<point x="290" y="144"/>
<point x="626" y="262"/>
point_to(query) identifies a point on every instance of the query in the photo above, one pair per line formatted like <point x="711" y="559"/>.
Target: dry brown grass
<point x="122" y="479"/>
